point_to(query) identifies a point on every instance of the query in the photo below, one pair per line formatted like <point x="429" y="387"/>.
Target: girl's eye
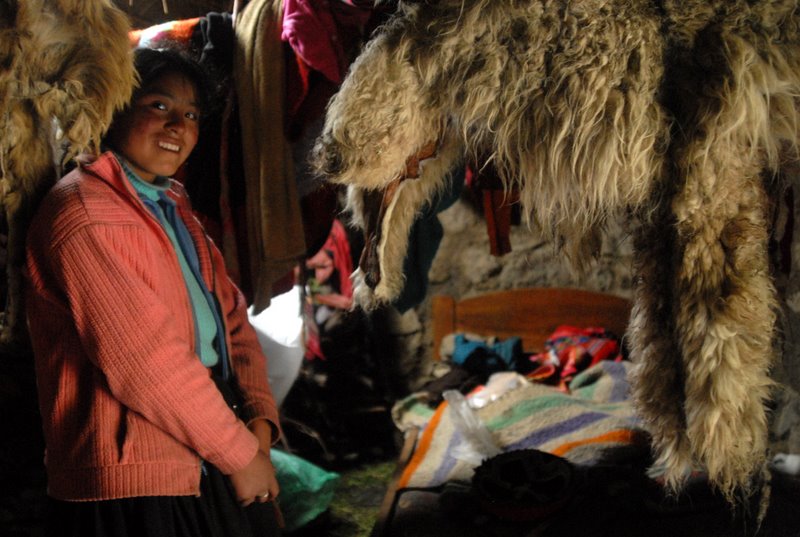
<point x="158" y="105"/>
<point x="194" y="116"/>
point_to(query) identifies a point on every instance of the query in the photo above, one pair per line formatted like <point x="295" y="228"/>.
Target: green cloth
<point x="306" y="489"/>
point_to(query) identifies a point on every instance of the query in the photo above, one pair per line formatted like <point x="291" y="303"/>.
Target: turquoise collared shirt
<point x="205" y="322"/>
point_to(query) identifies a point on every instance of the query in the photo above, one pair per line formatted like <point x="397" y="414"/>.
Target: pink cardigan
<point x="127" y="407"/>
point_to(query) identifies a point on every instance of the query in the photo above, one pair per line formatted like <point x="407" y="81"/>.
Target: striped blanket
<point x="580" y="425"/>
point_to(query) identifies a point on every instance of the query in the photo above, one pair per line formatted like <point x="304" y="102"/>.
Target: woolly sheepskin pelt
<point x="679" y="114"/>
<point x="67" y="67"/>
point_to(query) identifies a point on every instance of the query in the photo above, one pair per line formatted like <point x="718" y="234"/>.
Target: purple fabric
<point x="359" y="3"/>
<point x="567" y="426"/>
<point x="449" y="462"/>
<point x="621" y="390"/>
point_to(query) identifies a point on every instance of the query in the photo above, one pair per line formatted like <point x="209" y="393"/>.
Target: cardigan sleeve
<point x="129" y="331"/>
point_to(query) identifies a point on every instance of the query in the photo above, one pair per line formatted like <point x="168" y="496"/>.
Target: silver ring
<point x="265" y="495"/>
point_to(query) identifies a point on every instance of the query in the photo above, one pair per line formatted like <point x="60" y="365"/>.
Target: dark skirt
<point x="215" y="513"/>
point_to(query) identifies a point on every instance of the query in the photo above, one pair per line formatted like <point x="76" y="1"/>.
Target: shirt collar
<point x="153" y="191"/>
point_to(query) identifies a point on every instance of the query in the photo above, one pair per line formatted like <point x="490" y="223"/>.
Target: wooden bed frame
<point x="530" y="313"/>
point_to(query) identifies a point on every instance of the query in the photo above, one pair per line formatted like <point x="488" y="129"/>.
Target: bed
<point x="616" y="498"/>
<point x="532" y="314"/>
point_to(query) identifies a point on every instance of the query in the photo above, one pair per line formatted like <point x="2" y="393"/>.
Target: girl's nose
<point x="176" y="123"/>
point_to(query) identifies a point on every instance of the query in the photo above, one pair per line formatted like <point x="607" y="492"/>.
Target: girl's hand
<point x="263" y="431"/>
<point x="256" y="482"/>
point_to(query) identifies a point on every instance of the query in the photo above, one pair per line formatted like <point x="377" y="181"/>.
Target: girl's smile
<point x="161" y="128"/>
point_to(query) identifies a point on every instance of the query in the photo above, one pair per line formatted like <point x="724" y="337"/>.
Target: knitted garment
<point x="128" y="409"/>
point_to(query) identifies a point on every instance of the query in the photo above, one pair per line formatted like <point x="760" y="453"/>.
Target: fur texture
<point x="67" y="67"/>
<point x="676" y="113"/>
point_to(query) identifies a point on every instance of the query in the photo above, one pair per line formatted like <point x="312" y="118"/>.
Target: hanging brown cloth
<point x="274" y="220"/>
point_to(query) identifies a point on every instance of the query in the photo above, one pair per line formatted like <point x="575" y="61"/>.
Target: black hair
<point x="152" y="63"/>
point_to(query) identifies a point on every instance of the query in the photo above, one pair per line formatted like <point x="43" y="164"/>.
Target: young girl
<point x="132" y="319"/>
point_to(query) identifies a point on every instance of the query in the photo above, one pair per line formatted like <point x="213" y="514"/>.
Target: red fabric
<point x="497" y="212"/>
<point x="128" y="408"/>
<point x="298" y="83"/>
<point x="338" y="244"/>
<point x="311" y="334"/>
<point x="316" y="30"/>
<point x="322" y="36"/>
<point x="310" y="29"/>
<point x="570" y="350"/>
<point x="497" y="202"/>
<point x="180" y="31"/>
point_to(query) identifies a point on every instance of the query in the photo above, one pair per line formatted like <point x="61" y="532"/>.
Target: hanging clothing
<point x="311" y="31"/>
<point x="274" y="219"/>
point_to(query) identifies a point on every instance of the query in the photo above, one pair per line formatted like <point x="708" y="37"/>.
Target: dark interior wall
<point x="144" y="13"/>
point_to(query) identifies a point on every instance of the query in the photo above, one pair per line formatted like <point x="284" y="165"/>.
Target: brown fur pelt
<point x="678" y="114"/>
<point x="67" y="67"/>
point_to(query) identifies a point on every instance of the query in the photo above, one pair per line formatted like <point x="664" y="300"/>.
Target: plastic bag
<point x="478" y="442"/>
<point x="306" y="489"/>
<point x="279" y="329"/>
<point x="496" y="387"/>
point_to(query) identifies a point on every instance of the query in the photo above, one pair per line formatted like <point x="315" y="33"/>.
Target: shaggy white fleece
<point x="679" y="113"/>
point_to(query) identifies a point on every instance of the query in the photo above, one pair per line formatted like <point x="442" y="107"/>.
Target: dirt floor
<point x="354" y="509"/>
<point x="609" y="504"/>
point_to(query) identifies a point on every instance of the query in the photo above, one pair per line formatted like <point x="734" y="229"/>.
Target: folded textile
<point x="568" y="351"/>
<point x="504" y="354"/>
<point x="499" y="355"/>
<point x="579" y="426"/>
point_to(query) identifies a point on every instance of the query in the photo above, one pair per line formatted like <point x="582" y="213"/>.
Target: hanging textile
<point x="274" y="221"/>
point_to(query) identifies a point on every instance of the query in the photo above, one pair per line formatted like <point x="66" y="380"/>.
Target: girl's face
<point x="160" y="130"/>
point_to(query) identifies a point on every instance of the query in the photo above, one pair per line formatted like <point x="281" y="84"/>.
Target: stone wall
<point x="463" y="267"/>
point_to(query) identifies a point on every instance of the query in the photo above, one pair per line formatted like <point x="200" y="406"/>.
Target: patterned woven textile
<point x="580" y="426"/>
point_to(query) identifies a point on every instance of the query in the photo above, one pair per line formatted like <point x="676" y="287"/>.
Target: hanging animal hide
<point x="66" y="68"/>
<point x="679" y="114"/>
